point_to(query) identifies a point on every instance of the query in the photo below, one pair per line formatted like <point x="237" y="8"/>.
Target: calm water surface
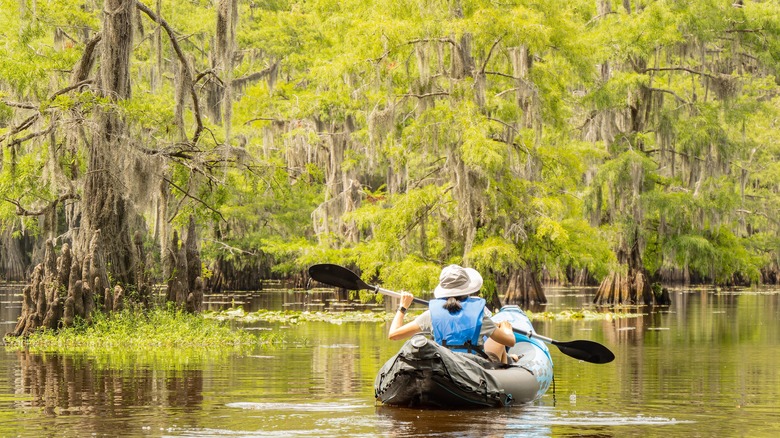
<point x="709" y="365"/>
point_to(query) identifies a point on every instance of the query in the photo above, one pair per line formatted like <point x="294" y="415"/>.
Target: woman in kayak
<point x="456" y="319"/>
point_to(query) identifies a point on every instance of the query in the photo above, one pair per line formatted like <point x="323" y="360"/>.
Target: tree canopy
<point x="532" y="140"/>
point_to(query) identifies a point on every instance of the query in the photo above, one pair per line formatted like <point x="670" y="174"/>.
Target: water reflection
<point x="472" y="423"/>
<point x="68" y="385"/>
<point x="98" y="394"/>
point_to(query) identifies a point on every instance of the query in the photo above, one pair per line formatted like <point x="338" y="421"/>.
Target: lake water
<point x="707" y="366"/>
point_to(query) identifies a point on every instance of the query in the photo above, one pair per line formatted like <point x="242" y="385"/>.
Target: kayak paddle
<point x="339" y="276"/>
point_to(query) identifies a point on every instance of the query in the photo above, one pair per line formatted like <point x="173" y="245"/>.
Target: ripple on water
<point x="298" y="407"/>
<point x="338" y="346"/>
<point x="584" y="418"/>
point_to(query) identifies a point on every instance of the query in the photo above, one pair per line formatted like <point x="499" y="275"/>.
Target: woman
<point x="456" y="319"/>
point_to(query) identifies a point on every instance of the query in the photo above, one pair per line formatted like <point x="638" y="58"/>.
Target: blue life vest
<point x="459" y="331"/>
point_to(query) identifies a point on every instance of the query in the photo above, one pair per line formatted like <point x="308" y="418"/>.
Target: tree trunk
<point x="219" y="98"/>
<point x="185" y="285"/>
<point x="59" y="292"/>
<point x="12" y="259"/>
<point x="630" y="285"/>
<point x="104" y="262"/>
<point x="524" y="288"/>
<point x="103" y="205"/>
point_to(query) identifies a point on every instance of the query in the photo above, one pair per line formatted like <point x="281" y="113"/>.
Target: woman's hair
<point x="453" y="303"/>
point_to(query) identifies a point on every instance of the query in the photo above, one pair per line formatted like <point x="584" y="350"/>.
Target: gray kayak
<point x="425" y="374"/>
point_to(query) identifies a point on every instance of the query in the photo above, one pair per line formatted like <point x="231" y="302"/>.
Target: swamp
<point x="708" y="365"/>
<point x="171" y="169"/>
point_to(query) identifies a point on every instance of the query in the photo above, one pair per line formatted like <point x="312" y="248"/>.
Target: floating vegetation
<point x="295" y="316"/>
<point x="588" y="315"/>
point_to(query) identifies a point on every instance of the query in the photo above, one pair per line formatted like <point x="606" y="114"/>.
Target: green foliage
<point x="137" y="331"/>
<point x="655" y="127"/>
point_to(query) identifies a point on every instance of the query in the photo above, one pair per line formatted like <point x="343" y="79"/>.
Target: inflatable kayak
<point x="425" y="374"/>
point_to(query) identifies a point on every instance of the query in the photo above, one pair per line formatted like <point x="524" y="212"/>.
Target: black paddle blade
<point x="588" y="351"/>
<point x="338" y="276"/>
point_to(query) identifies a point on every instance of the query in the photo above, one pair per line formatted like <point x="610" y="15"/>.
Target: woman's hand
<point x="406" y="299"/>
<point x="399" y="330"/>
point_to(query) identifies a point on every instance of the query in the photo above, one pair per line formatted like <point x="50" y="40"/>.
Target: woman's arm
<point x="399" y="330"/>
<point x="503" y="334"/>
<point x="404" y="331"/>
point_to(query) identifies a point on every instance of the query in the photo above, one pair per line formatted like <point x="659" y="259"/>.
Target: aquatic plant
<point x="584" y="314"/>
<point x="138" y="330"/>
<point x="295" y="317"/>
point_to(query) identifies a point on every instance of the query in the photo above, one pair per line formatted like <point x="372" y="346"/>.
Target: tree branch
<point x="22" y="105"/>
<point x="422" y="96"/>
<point x="21" y="211"/>
<point x="663" y="90"/>
<point x="71" y="87"/>
<point x="498" y="73"/>
<point x="175" y="43"/>
<point x="242" y="81"/>
<point x="87" y="60"/>
<point x="685" y="69"/>
<point x="414" y="41"/>
<point x="32" y="135"/>
<point x="490" y="53"/>
<point x="231" y="249"/>
<point x="186" y="194"/>
<point x="503" y="123"/>
<point x="20" y="127"/>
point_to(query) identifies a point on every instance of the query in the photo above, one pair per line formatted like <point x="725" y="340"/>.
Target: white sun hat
<point x="455" y="281"/>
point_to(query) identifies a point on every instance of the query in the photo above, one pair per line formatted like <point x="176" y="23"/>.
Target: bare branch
<point x="663" y="90"/>
<point x="266" y="119"/>
<point x="422" y="96"/>
<point x="503" y="123"/>
<point x="685" y="69"/>
<point x="414" y="41"/>
<point x="32" y="135"/>
<point x="87" y="60"/>
<point x="242" y="81"/>
<point x="21" y="211"/>
<point x="490" y="53"/>
<point x="71" y="87"/>
<point x="22" y="105"/>
<point x="188" y="195"/>
<point x="501" y="93"/>
<point x="231" y="249"/>
<point x="20" y="127"/>
<point x="209" y="72"/>
<point x="498" y="73"/>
